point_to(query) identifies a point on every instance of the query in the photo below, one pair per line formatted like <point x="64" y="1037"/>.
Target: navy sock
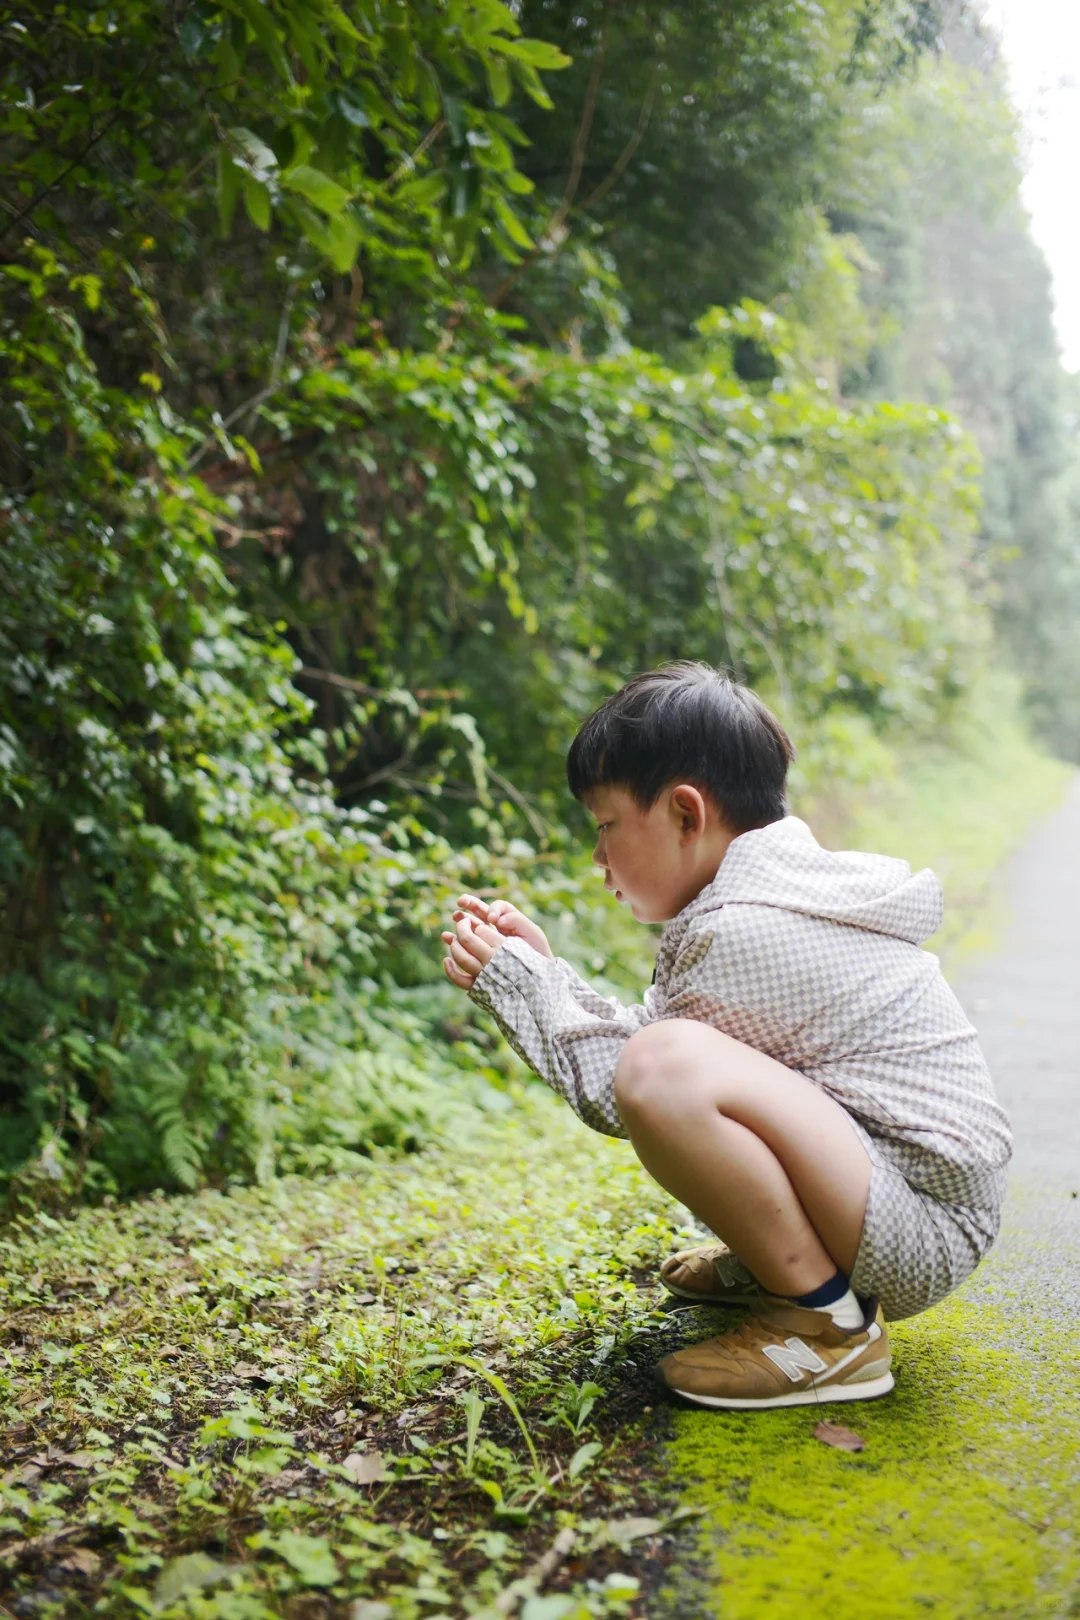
<point x="829" y="1292"/>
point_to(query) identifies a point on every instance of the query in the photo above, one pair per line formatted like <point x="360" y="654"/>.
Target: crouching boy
<point x="799" y="1075"/>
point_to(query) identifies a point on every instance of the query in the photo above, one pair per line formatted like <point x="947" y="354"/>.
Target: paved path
<point x="1024" y="1000"/>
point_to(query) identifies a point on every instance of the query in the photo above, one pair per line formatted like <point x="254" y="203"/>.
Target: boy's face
<point x="656" y="860"/>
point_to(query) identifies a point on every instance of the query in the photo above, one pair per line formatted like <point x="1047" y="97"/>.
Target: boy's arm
<point x="567" y="1033"/>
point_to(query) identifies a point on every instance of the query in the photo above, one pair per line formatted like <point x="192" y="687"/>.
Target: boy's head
<point x="674" y="766"/>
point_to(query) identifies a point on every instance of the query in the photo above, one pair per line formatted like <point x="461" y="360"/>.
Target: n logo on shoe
<point x="793" y="1357"/>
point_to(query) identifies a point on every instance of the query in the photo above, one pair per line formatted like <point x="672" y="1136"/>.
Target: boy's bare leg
<point x="765" y="1159"/>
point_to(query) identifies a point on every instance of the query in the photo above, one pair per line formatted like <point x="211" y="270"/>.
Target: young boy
<point x="799" y="1075"/>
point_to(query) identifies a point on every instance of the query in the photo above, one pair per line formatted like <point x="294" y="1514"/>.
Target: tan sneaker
<point x="785" y="1356"/>
<point x="711" y="1275"/>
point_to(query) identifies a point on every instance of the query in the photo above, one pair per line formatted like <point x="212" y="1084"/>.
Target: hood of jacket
<point x="783" y="865"/>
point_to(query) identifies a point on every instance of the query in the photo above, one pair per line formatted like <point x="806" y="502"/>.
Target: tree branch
<point x="553" y="230"/>
<point x="631" y="146"/>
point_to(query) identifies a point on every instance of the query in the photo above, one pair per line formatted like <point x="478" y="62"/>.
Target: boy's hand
<point x="471" y="946"/>
<point x="508" y="920"/>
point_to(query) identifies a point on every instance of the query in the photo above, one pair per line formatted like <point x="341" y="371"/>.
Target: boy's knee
<point x="655" y="1067"/>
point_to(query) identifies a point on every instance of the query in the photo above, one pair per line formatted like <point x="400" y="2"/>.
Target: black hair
<point x="687" y="723"/>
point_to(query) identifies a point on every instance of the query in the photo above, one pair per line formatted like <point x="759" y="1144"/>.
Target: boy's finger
<point x="464" y="959"/>
<point x="469" y="902"/>
<point x="489" y="935"/>
<point x="464" y="981"/>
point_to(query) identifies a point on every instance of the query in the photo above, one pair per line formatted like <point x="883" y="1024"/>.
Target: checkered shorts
<point x="915" y="1250"/>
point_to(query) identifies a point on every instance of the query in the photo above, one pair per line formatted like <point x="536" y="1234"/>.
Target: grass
<point x="394" y="1394"/>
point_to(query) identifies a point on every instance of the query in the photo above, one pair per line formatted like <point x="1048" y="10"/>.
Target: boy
<point x="799" y="1075"/>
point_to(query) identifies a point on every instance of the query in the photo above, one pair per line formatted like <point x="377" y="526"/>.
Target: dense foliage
<point x="336" y="482"/>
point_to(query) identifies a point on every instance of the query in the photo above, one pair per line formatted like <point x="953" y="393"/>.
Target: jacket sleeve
<point x="568" y="1034"/>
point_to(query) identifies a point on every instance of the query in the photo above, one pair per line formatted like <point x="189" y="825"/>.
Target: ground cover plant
<point x="398" y="1388"/>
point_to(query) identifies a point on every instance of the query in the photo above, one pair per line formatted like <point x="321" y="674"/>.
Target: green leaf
<point x="498" y="77"/>
<point x="257" y="203"/>
<point x="190" y="1573"/>
<point x="513" y="227"/>
<point x="338" y="240"/>
<point x="310" y="1556"/>
<point x="583" y="1457"/>
<point x="317" y="187"/>
<point x="228" y="189"/>
<point x="251" y="152"/>
<point x="537" y="53"/>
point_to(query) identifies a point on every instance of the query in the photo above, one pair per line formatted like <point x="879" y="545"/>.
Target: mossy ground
<point x="964" y="1504"/>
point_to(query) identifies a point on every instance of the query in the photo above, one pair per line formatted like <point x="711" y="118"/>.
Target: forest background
<point x="383" y="384"/>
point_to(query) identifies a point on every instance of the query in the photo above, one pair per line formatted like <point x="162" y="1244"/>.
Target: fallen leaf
<point x="365" y="1609"/>
<point x="170" y="1352"/>
<point x="365" y="1467"/>
<point x="248" y="1369"/>
<point x="364" y="1299"/>
<point x="621" y="1532"/>
<point x="834" y="1434"/>
<point x="80" y="1561"/>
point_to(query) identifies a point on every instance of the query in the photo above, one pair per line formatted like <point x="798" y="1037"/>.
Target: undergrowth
<point x="196" y="1388"/>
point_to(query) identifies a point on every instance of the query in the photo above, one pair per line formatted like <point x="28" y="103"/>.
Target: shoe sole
<point x="713" y="1299"/>
<point x="871" y="1389"/>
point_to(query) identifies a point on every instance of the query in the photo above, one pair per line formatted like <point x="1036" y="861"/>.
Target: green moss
<point x="963" y="1504"/>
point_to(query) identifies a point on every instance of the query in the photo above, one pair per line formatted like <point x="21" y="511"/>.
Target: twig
<point x="265" y="392"/>
<point x="517" y="797"/>
<point x="34" y="202"/>
<point x="631" y="146"/>
<point x="408" y="164"/>
<point x="535" y="1577"/>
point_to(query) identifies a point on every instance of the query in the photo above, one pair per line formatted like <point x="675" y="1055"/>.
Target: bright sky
<point x="1041" y="40"/>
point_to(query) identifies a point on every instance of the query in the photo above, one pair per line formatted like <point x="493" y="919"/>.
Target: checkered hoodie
<point x="812" y="957"/>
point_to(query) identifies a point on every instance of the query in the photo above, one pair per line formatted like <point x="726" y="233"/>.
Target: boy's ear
<point x="688" y="805"/>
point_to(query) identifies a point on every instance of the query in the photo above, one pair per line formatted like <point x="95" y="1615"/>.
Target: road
<point x="1024" y="1000"/>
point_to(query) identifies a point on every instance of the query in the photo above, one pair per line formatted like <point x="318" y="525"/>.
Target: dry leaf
<point x="365" y="1467"/>
<point x="71" y="1459"/>
<point x="364" y="1299"/>
<point x="621" y="1532"/>
<point x="170" y="1352"/>
<point x="834" y="1434"/>
<point x="80" y="1561"/>
<point x="248" y="1369"/>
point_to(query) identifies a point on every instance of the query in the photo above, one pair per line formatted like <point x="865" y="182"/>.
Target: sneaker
<point x="784" y="1355"/>
<point x="711" y="1275"/>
